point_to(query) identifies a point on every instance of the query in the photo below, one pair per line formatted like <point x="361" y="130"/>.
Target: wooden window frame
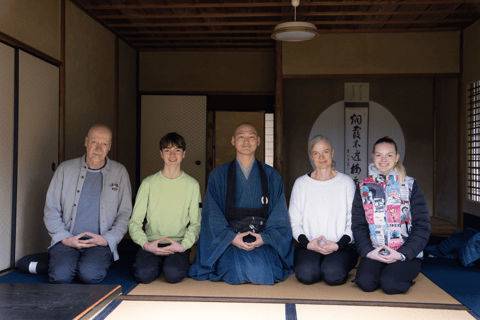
<point x="473" y="143"/>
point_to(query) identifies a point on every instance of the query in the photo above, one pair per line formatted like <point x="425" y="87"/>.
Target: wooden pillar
<point x="115" y="103"/>
<point x="278" y="122"/>
<point x="61" y="120"/>
<point x="434" y="167"/>
<point x="210" y="143"/>
<point x="461" y="138"/>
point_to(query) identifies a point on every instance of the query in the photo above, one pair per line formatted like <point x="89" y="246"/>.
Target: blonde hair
<point x="402" y="172"/>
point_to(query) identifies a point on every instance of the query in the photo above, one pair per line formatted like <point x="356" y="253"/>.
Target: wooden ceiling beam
<point x="146" y="40"/>
<point x="188" y="32"/>
<point x="208" y="44"/>
<point x="275" y="4"/>
<point x="279" y="14"/>
<point x="247" y="49"/>
<point x="198" y="15"/>
<point x="272" y="23"/>
<point x="194" y="31"/>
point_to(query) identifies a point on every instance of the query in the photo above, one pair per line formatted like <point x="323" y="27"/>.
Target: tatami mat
<point x="313" y="312"/>
<point x="292" y="291"/>
<point x="132" y="310"/>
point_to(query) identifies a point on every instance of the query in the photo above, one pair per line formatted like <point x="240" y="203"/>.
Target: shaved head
<point x="244" y="124"/>
<point x="100" y="126"/>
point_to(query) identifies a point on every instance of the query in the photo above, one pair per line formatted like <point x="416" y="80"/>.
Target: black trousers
<point x="90" y="264"/>
<point x="393" y="278"/>
<point x="311" y="266"/>
<point x="148" y="267"/>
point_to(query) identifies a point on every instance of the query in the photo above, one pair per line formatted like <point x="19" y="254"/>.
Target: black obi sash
<point x="245" y="219"/>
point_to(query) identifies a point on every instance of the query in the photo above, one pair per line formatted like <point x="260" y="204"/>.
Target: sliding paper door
<point x="186" y="115"/>
<point x="37" y="149"/>
<point x="7" y="77"/>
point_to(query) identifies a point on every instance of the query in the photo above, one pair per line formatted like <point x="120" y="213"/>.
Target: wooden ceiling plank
<point x="453" y="9"/>
<point x="275" y="14"/>
<point x="195" y="31"/>
<point x="265" y="49"/>
<point x="274" y="4"/>
<point x="268" y="23"/>
<point x="150" y="40"/>
<point x="363" y="30"/>
<point x="249" y="44"/>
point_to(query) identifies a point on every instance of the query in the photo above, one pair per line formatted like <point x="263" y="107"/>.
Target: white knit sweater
<point x="322" y="207"/>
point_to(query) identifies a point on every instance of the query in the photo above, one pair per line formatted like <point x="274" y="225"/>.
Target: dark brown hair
<point x="172" y="139"/>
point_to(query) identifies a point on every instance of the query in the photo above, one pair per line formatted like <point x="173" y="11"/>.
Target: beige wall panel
<point x="374" y="53"/>
<point x="90" y="78"/>
<point x="127" y="109"/>
<point x="35" y="23"/>
<point x="37" y="150"/>
<point x="471" y="72"/>
<point x="7" y="76"/>
<point x="185" y="115"/>
<point x="206" y="71"/>
<point x="225" y="123"/>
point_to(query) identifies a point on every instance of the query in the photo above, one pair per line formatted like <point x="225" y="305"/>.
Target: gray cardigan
<point x="64" y="193"/>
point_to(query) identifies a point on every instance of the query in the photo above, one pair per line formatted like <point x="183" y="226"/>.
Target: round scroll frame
<point x="381" y="122"/>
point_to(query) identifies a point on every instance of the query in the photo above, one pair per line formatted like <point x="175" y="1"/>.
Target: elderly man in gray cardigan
<point x="88" y="206"/>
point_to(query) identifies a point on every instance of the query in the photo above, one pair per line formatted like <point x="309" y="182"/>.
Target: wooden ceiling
<point x="158" y="25"/>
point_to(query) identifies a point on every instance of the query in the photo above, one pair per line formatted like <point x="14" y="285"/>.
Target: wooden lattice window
<point x="473" y="167"/>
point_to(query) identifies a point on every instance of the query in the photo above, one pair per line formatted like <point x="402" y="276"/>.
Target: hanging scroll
<point x="356" y="140"/>
<point x="356" y="130"/>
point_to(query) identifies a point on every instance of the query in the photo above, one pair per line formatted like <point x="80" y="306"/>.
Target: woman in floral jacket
<point x="390" y="223"/>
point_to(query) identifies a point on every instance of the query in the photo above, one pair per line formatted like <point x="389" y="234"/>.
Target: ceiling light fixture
<point x="294" y="31"/>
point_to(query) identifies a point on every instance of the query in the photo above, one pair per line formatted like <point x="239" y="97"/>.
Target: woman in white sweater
<point x="320" y="213"/>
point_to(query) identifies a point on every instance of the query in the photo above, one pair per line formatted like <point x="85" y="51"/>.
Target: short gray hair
<point x="316" y="140"/>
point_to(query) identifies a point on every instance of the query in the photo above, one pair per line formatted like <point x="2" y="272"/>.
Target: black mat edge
<point x="441" y="306"/>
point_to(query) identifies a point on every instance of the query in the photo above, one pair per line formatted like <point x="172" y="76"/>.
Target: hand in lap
<point x="94" y="241"/>
<point x="394" y="256"/>
<point x="259" y="242"/>
<point x="322" y="245"/>
<point x="239" y="243"/>
<point x="174" y="246"/>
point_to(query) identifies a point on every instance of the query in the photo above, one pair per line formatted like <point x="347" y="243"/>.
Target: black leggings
<point x="393" y="278"/>
<point x="311" y="266"/>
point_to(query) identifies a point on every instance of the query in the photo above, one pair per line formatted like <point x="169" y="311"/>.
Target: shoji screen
<point x="37" y="149"/>
<point x="7" y="76"/>
<point x="186" y="115"/>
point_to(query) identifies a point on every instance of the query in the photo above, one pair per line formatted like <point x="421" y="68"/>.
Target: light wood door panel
<point x="37" y="149"/>
<point x="7" y="76"/>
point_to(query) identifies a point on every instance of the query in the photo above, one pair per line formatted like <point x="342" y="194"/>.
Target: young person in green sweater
<point x="171" y="202"/>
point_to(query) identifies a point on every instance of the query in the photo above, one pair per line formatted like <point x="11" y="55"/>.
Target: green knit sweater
<point x="172" y="208"/>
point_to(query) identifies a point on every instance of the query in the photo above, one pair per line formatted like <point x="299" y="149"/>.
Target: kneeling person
<point x="171" y="201"/>
<point x="246" y="235"/>
<point x="87" y="209"/>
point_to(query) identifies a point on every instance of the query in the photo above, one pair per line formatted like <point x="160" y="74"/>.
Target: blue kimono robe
<point x="216" y="259"/>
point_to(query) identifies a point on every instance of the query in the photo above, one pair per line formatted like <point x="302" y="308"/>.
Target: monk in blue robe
<point x="245" y="234"/>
